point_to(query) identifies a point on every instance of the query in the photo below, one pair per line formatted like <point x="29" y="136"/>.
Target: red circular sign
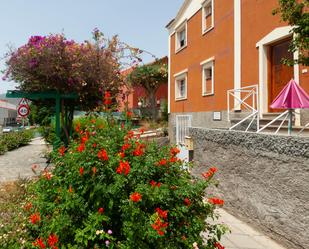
<point x="23" y="110"/>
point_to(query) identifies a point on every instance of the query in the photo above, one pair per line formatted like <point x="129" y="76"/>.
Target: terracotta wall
<point x="139" y="92"/>
<point x="218" y="43"/>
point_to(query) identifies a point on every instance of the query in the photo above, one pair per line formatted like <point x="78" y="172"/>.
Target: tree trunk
<point x="153" y="105"/>
<point x="64" y="123"/>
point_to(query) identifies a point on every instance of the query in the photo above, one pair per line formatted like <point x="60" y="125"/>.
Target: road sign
<point x="23" y="101"/>
<point x="23" y="110"/>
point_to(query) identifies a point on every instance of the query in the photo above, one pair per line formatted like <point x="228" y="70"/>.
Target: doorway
<point x="280" y="74"/>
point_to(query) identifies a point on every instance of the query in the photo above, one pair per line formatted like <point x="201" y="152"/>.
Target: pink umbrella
<point x="291" y="97"/>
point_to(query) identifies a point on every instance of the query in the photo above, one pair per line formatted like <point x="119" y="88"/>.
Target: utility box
<point x="189" y="143"/>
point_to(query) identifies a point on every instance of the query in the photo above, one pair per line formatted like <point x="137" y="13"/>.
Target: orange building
<point x="221" y="51"/>
<point x="136" y="98"/>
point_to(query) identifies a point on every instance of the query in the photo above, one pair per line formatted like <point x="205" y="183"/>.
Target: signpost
<point x="23" y="110"/>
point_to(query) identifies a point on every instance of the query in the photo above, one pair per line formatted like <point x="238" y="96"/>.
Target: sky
<point x="140" y="23"/>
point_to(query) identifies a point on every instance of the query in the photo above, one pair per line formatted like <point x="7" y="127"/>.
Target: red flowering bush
<point x="109" y="189"/>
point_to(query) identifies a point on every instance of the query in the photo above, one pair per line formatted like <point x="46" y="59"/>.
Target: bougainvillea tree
<point x="54" y="63"/>
<point x="150" y="77"/>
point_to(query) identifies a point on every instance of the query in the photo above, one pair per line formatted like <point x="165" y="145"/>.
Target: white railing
<point x="245" y="99"/>
<point x="285" y="115"/>
<point x="304" y="128"/>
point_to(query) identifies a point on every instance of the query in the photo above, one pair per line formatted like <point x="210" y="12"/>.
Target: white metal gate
<point x="183" y="123"/>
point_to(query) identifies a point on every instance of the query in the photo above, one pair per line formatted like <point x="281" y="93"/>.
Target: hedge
<point x="11" y="141"/>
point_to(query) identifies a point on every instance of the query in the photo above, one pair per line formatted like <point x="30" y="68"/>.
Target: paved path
<point x="17" y="163"/>
<point x="243" y="236"/>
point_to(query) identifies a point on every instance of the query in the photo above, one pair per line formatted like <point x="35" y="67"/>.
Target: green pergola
<point x="44" y="95"/>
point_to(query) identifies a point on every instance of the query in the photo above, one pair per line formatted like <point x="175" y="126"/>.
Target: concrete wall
<point x="264" y="179"/>
<point x="199" y="119"/>
<point x="304" y="117"/>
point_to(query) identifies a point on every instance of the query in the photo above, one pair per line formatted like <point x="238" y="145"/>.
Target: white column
<point x="296" y="78"/>
<point x="237" y="47"/>
<point x="169" y="76"/>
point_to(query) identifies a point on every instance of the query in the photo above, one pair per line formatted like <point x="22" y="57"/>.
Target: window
<point x="208" y="16"/>
<point x="181" y="86"/>
<point x="208" y="78"/>
<point x="181" y="37"/>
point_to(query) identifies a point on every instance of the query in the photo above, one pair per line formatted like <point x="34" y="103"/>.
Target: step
<point x="284" y="130"/>
<point x="264" y="121"/>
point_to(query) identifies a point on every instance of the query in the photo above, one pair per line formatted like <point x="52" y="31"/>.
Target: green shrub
<point x="13" y="140"/>
<point x="110" y="189"/>
<point x="48" y="133"/>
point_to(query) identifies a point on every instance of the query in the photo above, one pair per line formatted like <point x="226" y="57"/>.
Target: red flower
<point x="101" y="210"/>
<point x="139" y="150"/>
<point x="154" y="184"/>
<point x="107" y="98"/>
<point x="81" y="171"/>
<point x="77" y="128"/>
<point x="62" y="150"/>
<point x="34" y="218"/>
<point x="102" y="155"/>
<point x="129" y="114"/>
<point x="94" y="170"/>
<point x="94" y="145"/>
<point x="174" y="151"/>
<point x="187" y="202"/>
<point x="218" y="245"/>
<point x="159" y="226"/>
<point x="121" y="154"/>
<point x="136" y="197"/>
<point x="52" y="240"/>
<point x="81" y="147"/>
<point x="39" y="243"/>
<point x="209" y="173"/>
<point x="162" y="214"/>
<point x="130" y="134"/>
<point x="70" y="189"/>
<point x="124" y="167"/>
<point x="174" y="159"/>
<point x="163" y="162"/>
<point x="125" y="147"/>
<point x="216" y="201"/>
<point x="84" y="139"/>
<point x="142" y="131"/>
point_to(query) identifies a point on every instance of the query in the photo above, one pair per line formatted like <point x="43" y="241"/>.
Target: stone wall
<point x="264" y="179"/>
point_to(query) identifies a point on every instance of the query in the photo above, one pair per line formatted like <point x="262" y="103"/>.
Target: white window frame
<point x="209" y="63"/>
<point x="179" y="29"/>
<point x="183" y="75"/>
<point x="204" y="30"/>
